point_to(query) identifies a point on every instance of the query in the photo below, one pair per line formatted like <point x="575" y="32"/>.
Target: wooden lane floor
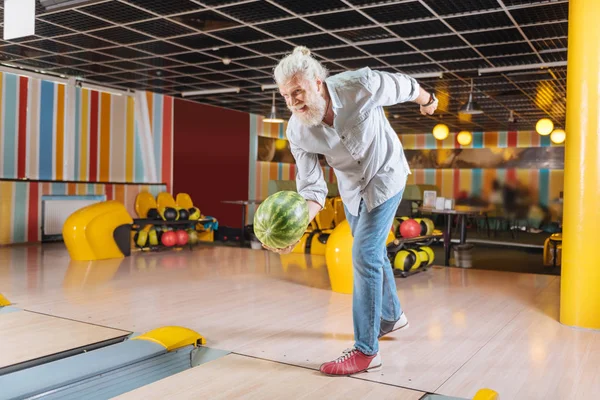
<point x="28" y="337"/>
<point x="254" y="303"/>
<point x="240" y="377"/>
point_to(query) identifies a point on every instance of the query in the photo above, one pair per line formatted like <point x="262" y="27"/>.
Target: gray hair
<point x="302" y="62"/>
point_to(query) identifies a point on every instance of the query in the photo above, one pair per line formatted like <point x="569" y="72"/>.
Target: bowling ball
<point x="153" y="214"/>
<point x="182" y="238"/>
<point x="169" y="238"/>
<point x="194" y="214"/>
<point x="192" y="236"/>
<point x="410" y="228"/>
<point x="169" y="214"/>
<point x="184" y="214"/>
<point x="406" y="259"/>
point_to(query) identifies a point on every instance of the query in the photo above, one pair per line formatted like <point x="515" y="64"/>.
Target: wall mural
<point x="277" y="150"/>
<point x="492" y="157"/>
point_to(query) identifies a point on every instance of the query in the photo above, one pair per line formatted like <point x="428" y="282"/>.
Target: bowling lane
<point x="27" y="336"/>
<point x="241" y="377"/>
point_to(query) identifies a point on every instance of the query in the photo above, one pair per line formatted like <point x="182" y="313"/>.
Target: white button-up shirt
<point x="361" y="147"/>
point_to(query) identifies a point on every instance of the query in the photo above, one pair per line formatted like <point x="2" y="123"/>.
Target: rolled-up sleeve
<point x="389" y="88"/>
<point x="310" y="182"/>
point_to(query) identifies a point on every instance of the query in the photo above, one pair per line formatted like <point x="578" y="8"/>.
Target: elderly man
<point x="342" y="118"/>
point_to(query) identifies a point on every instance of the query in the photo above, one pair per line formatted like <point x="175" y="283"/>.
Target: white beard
<point x="315" y="112"/>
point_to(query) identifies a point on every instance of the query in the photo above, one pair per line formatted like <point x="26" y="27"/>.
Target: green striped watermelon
<point x="281" y="220"/>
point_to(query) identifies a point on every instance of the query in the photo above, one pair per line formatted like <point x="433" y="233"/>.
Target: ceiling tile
<point x="168" y="7"/>
<point x="255" y="12"/>
<point x="206" y="21"/>
<point x="422" y="28"/>
<point x="342" y="20"/>
<point x="399" y="12"/>
<point x="116" y="12"/>
<point x="120" y="35"/>
<point x="439" y="42"/>
<point x="481" y="21"/>
<point x="160" y="48"/>
<point x="288" y="28"/>
<point x="242" y="35"/>
<point x="341" y="52"/>
<point x="85" y="41"/>
<point x="124" y="52"/>
<point x="75" y="20"/>
<point x="271" y="47"/>
<point x="493" y="36"/>
<point x="312" y="6"/>
<point x="387" y="48"/>
<point x="161" y="28"/>
<point x="315" y="41"/>
<point x="443" y="8"/>
<point x="543" y="13"/>
<point x="366" y="34"/>
<point x="52" y="46"/>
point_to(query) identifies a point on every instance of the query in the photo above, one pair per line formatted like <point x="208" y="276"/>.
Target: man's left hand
<point x="430" y="109"/>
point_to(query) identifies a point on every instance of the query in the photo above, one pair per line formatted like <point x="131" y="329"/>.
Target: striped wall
<point x="102" y="145"/>
<point x="544" y="185"/>
<point x="480" y="140"/>
<point x="21" y="206"/>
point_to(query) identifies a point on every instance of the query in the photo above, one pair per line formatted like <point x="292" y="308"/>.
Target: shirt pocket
<point x="358" y="136"/>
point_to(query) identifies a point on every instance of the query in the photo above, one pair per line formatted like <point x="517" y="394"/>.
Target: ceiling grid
<point x="177" y="46"/>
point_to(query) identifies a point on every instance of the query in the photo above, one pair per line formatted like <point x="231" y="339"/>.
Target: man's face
<point x="304" y="100"/>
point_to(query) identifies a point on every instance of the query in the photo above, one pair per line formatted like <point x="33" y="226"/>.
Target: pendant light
<point x="470" y="107"/>
<point x="273" y="116"/>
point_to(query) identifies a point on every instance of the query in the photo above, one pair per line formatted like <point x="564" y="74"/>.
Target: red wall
<point x="211" y="153"/>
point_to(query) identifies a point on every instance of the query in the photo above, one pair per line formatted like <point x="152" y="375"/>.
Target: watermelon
<point x="281" y="220"/>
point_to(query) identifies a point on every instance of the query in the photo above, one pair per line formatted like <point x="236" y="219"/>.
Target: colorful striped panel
<point x="34" y="142"/>
<point x="266" y="129"/>
<point x="20" y="204"/>
<point x="480" y="140"/>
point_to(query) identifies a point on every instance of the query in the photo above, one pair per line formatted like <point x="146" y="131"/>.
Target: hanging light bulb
<point x="470" y="107"/>
<point x="544" y="126"/>
<point x="558" y="136"/>
<point x="273" y="115"/>
<point x="464" y="138"/>
<point x="441" y="131"/>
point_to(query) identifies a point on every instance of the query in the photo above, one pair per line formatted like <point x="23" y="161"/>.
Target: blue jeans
<point x="374" y="290"/>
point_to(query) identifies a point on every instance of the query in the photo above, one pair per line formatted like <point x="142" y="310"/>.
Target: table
<point x="243" y="203"/>
<point x="462" y="212"/>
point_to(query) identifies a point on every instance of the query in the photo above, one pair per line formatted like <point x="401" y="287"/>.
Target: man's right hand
<point x="286" y="250"/>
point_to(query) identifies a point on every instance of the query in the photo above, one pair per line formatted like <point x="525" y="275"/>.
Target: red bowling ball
<point x="182" y="238"/>
<point x="410" y="228"/>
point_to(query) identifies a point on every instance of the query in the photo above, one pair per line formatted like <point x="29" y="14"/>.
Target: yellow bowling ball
<point x="338" y="257"/>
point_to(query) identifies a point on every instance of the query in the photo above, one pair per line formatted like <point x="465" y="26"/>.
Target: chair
<point x="165" y="199"/>
<point x="184" y="200"/>
<point x="144" y="202"/>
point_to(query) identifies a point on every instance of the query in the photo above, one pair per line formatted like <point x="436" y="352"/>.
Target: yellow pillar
<point x="580" y="281"/>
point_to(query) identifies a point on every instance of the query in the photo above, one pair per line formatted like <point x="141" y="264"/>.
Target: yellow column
<point x="580" y="281"/>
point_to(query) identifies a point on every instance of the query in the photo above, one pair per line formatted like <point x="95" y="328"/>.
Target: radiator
<point x="56" y="210"/>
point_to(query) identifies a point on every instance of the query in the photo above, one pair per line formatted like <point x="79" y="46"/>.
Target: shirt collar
<point x="335" y="100"/>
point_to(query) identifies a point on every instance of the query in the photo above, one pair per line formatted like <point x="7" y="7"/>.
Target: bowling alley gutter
<point x="498" y="243"/>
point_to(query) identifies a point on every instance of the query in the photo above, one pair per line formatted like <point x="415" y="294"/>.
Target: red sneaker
<point x="351" y="362"/>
